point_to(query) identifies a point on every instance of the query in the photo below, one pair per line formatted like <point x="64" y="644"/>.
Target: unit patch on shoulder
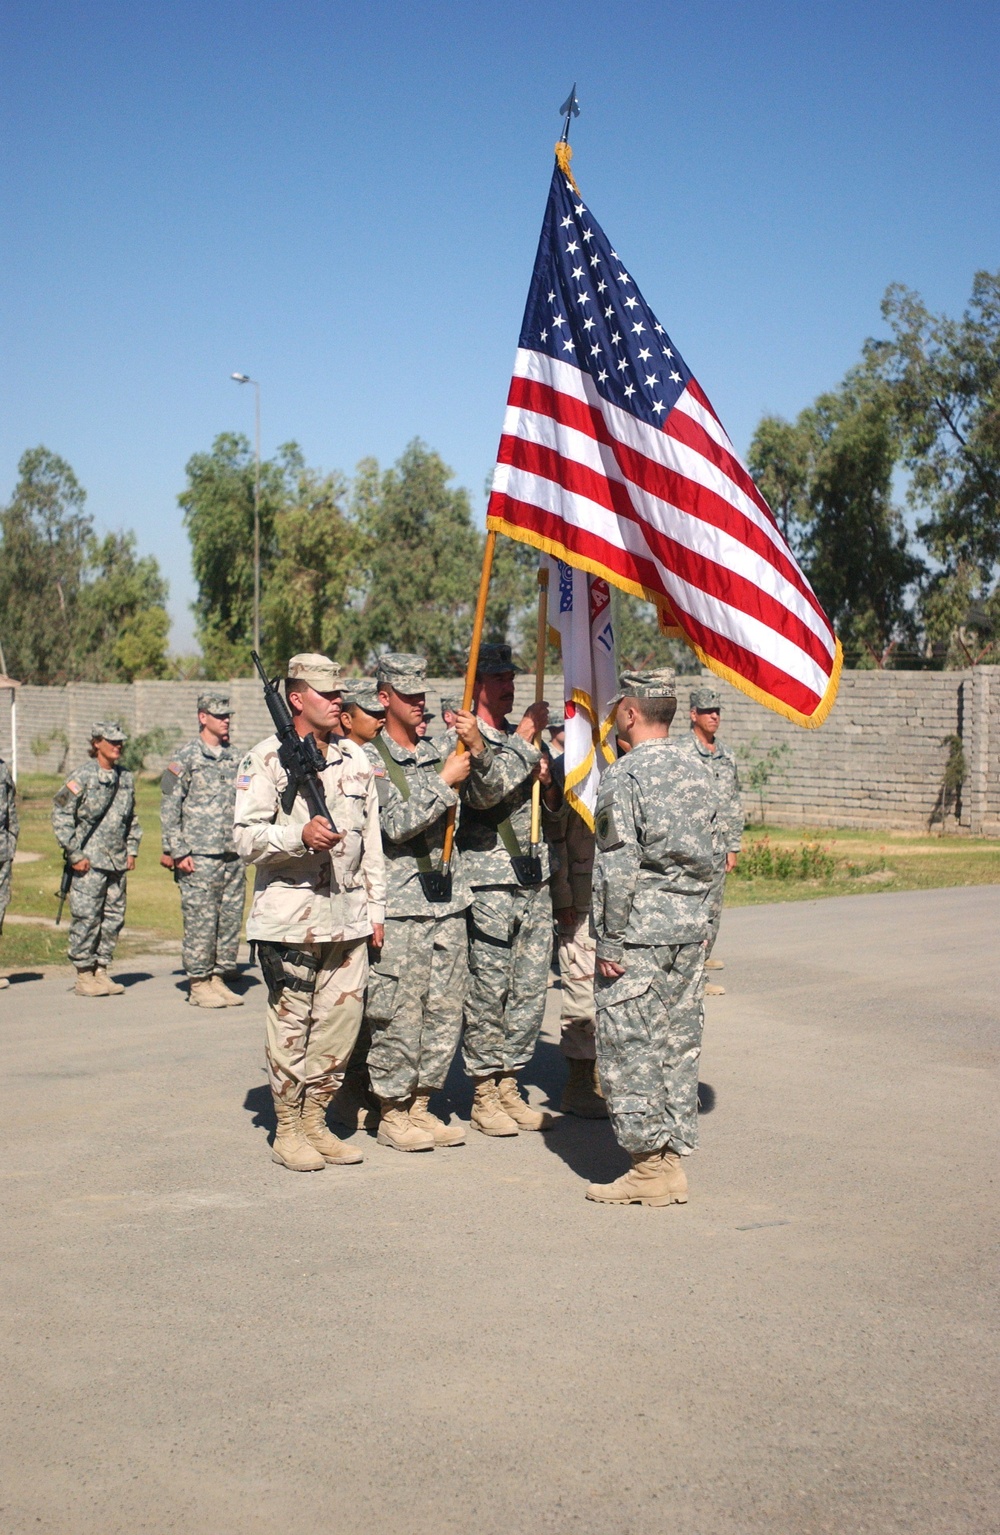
<point x="605" y="829"/>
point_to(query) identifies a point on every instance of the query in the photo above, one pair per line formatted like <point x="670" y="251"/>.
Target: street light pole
<point x="244" y="378"/>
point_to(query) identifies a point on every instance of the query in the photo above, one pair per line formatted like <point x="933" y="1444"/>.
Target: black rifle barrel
<point x="300" y="756"/>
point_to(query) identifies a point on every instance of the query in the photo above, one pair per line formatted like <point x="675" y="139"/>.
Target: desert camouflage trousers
<point x="5" y="868"/>
<point x="414" y="1007"/>
<point x="97" y="916"/>
<point x="577" y="958"/>
<point x="716" y="896"/>
<point x="212" y="900"/>
<point x="315" y="998"/>
<point x="649" y="1027"/>
<point x="510" y="952"/>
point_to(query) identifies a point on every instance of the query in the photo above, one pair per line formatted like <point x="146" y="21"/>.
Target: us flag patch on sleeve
<point x="176" y="768"/>
<point x="72" y="786"/>
<point x="243" y="781"/>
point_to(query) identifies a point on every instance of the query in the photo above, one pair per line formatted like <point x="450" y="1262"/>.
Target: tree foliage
<point x="74" y="606"/>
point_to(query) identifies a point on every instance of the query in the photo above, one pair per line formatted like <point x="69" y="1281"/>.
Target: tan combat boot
<point x="715" y="991"/>
<point x="523" y="1115"/>
<point x="314" y="1128"/>
<point x="201" y="993"/>
<point x="396" y="1129"/>
<point x="87" y="985"/>
<point x="353" y="1105"/>
<point x="488" y="1113"/>
<point x="673" y="1167"/>
<point x="111" y="988"/>
<point x="4" y="983"/>
<point x="290" y="1147"/>
<point x="421" y="1116"/>
<point x="714" y="964"/>
<point x="229" y="998"/>
<point x="581" y="1095"/>
<point x="647" y="1182"/>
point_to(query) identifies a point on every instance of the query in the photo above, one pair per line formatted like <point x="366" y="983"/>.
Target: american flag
<point x="613" y="460"/>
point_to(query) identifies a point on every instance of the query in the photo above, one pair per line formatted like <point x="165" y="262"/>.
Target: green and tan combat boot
<point x="582" y="1095"/>
<point x="647" y="1182"/>
<point x="111" y="988"/>
<point x="488" y="1113"/>
<point x="87" y="985"/>
<point x="290" y="1147"/>
<point x="421" y="1116"/>
<point x="523" y="1115"/>
<point x="201" y="993"/>
<point x="316" y="1132"/>
<point x="396" y="1129"/>
<point x="229" y="998"/>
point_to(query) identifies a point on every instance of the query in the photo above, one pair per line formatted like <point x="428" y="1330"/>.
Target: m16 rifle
<point x="300" y="756"/>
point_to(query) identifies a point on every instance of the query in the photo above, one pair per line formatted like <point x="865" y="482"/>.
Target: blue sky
<point x="344" y="201"/>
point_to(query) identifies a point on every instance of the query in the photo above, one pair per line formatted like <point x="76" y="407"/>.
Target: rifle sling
<point x="100" y="818"/>
<point x="417" y="844"/>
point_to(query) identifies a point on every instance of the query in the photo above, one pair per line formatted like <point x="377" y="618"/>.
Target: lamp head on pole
<point x="241" y="378"/>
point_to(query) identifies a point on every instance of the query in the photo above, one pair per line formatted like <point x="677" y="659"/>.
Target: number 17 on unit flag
<point x="613" y="461"/>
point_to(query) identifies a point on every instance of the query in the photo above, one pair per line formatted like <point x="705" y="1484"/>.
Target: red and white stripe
<point x="669" y="511"/>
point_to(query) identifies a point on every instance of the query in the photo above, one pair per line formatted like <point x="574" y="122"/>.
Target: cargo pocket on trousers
<point x="380" y="1002"/>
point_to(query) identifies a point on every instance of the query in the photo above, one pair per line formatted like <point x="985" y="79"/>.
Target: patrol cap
<point x="705" y="698"/>
<point x="363" y="693"/>
<point x="403" y="673"/>
<point x="214" y="703"/>
<point x="106" y="730"/>
<point x="495" y="661"/>
<point x="428" y="715"/>
<point x="318" y="671"/>
<point x="648" y="684"/>
<point x="557" y="719"/>
<point x="451" y="705"/>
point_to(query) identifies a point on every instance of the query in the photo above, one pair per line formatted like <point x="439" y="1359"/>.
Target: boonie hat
<point x="214" y="703"/>
<point x="403" y="673"/>
<point x="648" y="684"/>
<point x="495" y="661"/>
<point x="705" y="698"/>
<point x="318" y="671"/>
<point x="106" y="730"/>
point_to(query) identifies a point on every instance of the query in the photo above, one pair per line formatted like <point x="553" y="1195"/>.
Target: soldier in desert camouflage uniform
<point x="93" y="817"/>
<point x="417" y="987"/>
<point x="319" y="896"/>
<point x="8" y="842"/>
<point x="196" y="818"/>
<point x="572" y="879"/>
<point x="706" y="708"/>
<point x="510" y="925"/>
<point x="652" y="879"/>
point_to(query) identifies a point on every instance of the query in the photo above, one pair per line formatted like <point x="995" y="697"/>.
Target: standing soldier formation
<point x="93" y="817"/>
<point x="653" y="877"/>
<point x="319" y="898"/>
<point x="706" y="710"/>
<point x="8" y="842"/>
<point x="198" y="794"/>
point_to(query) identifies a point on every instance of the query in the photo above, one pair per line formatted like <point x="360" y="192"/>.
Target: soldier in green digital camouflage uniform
<point x="653" y="873"/>
<point x="196" y="817"/>
<point x="417" y="986"/>
<point x="93" y="817"/>
<point x="706" y="708"/>
<point x="8" y="842"/>
<point x="510" y="925"/>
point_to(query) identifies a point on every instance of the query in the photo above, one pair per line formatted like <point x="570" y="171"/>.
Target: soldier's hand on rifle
<point x="536" y="718"/>
<point x="456" y="769"/>
<point x="82" y="866"/>
<point x="130" y="863"/>
<point x="319" y="835"/>
<point x="184" y="865"/>
<point x="467" y="728"/>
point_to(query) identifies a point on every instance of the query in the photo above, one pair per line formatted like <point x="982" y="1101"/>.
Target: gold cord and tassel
<point x="564" y="154"/>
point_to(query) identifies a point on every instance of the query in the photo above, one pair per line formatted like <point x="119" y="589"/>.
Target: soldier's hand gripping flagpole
<point x="543" y="635"/>
<point x="470" y="681"/>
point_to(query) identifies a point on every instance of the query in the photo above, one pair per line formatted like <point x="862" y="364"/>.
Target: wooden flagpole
<point x="543" y="636"/>
<point x="470" y="677"/>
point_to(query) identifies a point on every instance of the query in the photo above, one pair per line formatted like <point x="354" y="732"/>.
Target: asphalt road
<point x="198" y="1340"/>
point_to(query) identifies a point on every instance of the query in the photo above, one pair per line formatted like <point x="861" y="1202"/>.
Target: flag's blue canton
<point x="584" y="308"/>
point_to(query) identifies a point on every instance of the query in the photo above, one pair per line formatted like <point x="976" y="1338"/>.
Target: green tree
<point x="834" y="466"/>
<point x="74" y="606"/>
<point x="420" y="563"/>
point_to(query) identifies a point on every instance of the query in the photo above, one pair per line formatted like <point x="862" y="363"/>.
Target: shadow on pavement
<point x="17" y="977"/>
<point x="260" y="1104"/>
<point x="132" y="977"/>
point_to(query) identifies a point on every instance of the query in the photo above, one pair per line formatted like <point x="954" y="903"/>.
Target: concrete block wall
<point x="878" y="763"/>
